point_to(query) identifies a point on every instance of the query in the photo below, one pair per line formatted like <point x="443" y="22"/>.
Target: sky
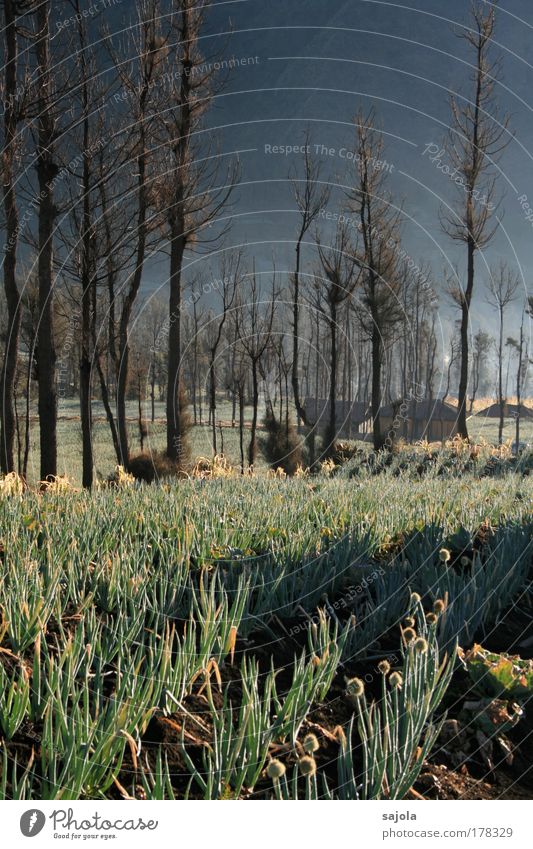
<point x="315" y="63"/>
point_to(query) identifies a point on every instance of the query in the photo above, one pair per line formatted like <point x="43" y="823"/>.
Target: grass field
<point x="259" y="638"/>
<point x="69" y="438"/>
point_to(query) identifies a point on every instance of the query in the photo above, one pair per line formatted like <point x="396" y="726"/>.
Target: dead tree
<point x="311" y="197"/>
<point x="138" y="78"/>
<point x="503" y="285"/>
<point x="255" y="322"/>
<point x="187" y="198"/>
<point x="13" y="114"/>
<point x="476" y="139"/>
<point x="482" y="345"/>
<point x="377" y="254"/>
<point x="46" y="166"/>
<point x="230" y="280"/>
<point x="523" y="362"/>
<point x="452" y="360"/>
<point x="340" y="272"/>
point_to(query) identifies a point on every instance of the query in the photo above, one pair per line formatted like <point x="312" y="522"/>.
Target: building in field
<point x="430" y="419"/>
<point x="510" y="411"/>
<point x="353" y="418"/>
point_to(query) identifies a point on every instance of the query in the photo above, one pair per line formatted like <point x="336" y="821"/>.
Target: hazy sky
<point x="316" y="62"/>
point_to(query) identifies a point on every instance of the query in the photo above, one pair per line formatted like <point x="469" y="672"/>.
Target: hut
<point x="430" y="419"/>
<point x="353" y="418"/>
<point x="510" y="411"/>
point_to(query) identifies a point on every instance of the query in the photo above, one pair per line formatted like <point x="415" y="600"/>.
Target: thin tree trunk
<point x="152" y="392"/>
<point x="140" y="412"/>
<point x="332" y="425"/>
<point x="129" y="301"/>
<point x="7" y="412"/>
<point x="46" y="171"/>
<point x="462" y="429"/>
<point x="296" y="331"/>
<point x="500" y="379"/>
<point x="252" y="448"/>
<point x="376" y="387"/>
<point x="27" y="429"/>
<point x="241" y="423"/>
<point x="107" y="407"/>
<point x="174" y="435"/>
<point x="213" y="401"/>
<point x="86" y="302"/>
<point x="519" y="386"/>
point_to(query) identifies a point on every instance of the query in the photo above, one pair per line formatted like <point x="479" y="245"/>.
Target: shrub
<point x="152" y="467"/>
<point x="282" y="447"/>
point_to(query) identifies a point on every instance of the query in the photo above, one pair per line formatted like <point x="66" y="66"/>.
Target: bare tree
<point x="311" y="197"/>
<point x="188" y="200"/>
<point x="230" y="280"/>
<point x="382" y="273"/>
<point x="255" y="322"/>
<point x="12" y="115"/>
<point x="482" y="344"/>
<point x="340" y="275"/>
<point x="503" y="285"/>
<point x="138" y="78"/>
<point x="46" y="103"/>
<point x="78" y="233"/>
<point x="476" y="139"/>
<point x="154" y="318"/>
<point x="523" y="362"/>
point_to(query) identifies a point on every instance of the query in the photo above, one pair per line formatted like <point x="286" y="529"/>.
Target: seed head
<point x="431" y="618"/>
<point x="395" y="680"/>
<point x="465" y="561"/>
<point x="444" y="555"/>
<point x="355" y="688"/>
<point x="415" y="598"/>
<point x="307" y="765"/>
<point x="275" y="770"/>
<point x="439" y="606"/>
<point x="409" y="635"/>
<point x="311" y="744"/>
<point x="384" y="667"/>
<point x="421" y="645"/>
<point x="409" y="622"/>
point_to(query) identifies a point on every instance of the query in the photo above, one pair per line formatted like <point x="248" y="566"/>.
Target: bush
<point x="282" y="447"/>
<point x="152" y="467"/>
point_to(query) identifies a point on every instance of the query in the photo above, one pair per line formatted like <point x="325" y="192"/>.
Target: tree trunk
<point x="107" y="407"/>
<point x="332" y="424"/>
<point x="462" y="429"/>
<point x="519" y="386"/>
<point x="27" y="429"/>
<point x="213" y="402"/>
<point x="500" y="380"/>
<point x="252" y="448"/>
<point x="9" y="369"/>
<point x="129" y="301"/>
<point x="140" y="413"/>
<point x="295" y="333"/>
<point x="152" y="392"/>
<point x="174" y="435"/>
<point x="241" y="423"/>
<point x="86" y="301"/>
<point x="46" y="172"/>
<point x="376" y="388"/>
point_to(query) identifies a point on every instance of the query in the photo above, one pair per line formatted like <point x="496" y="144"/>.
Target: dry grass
<point x="483" y="403"/>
